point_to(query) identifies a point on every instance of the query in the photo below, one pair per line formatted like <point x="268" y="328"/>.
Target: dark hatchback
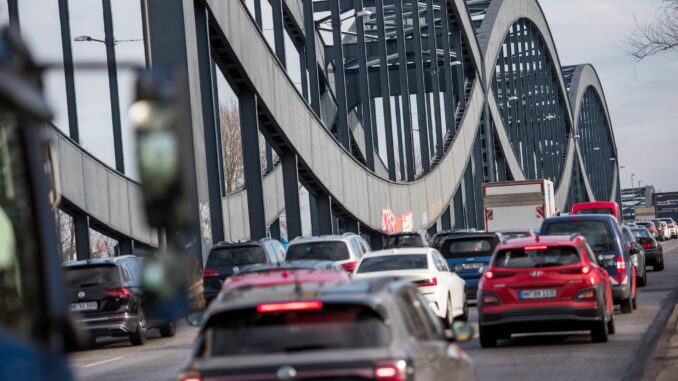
<point x="106" y="296"/>
<point x="654" y="252"/>
<point x="603" y="234"/>
<point x="227" y="258"/>
<point x="468" y="254"/>
<point x="369" y="330"/>
<point x="438" y="238"/>
<point x="409" y="239"/>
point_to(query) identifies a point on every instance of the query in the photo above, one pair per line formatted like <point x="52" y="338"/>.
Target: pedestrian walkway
<point x="664" y="363"/>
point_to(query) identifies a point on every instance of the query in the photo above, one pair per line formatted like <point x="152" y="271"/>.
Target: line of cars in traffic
<point x="329" y="306"/>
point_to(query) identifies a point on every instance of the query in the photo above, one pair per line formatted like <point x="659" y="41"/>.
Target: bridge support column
<point x="291" y="189"/>
<point x="82" y="244"/>
<point x="249" y="132"/>
<point x="324" y="213"/>
<point x="274" y="228"/>
<point x="126" y="246"/>
<point x="446" y="219"/>
<point x="351" y="225"/>
<point x="433" y="229"/>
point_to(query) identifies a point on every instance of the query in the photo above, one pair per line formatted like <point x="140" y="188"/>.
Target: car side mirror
<point x="461" y="332"/>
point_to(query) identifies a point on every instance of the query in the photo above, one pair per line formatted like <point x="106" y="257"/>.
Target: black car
<point x="603" y="234"/>
<point x="106" y="296"/>
<point x="654" y="252"/>
<point x="637" y="255"/>
<point x="440" y="236"/>
<point x="407" y="239"/>
<point x="368" y="330"/>
<point x="227" y="258"/>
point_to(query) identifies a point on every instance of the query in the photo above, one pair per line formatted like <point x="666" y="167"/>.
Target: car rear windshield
<point x="597" y="233"/>
<point x="595" y="211"/>
<point x="236" y="256"/>
<point x="328" y="251"/>
<point x="536" y="257"/>
<point x="394" y="262"/>
<point x="470" y="247"/>
<point x="91" y="276"/>
<point x="514" y="235"/>
<point x="329" y="326"/>
<point x="646" y="224"/>
<point x="641" y="233"/>
<point x="413" y="240"/>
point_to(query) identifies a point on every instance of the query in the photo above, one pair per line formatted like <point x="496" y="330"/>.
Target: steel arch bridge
<point x="404" y="109"/>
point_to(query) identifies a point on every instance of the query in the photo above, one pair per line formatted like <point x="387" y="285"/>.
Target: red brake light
<point x="621" y="265"/>
<point x="489" y="274"/>
<point x="391" y="371"/>
<point x="427" y="282"/>
<point x="118" y="293"/>
<point x="536" y="248"/>
<point x="385" y="372"/>
<point x="206" y="273"/>
<point x="290" y="306"/>
<point x="576" y="270"/>
<point x="492" y="274"/>
<point x="189" y="377"/>
<point x="650" y="245"/>
<point x="349" y="266"/>
<point x="585" y="270"/>
<point x="192" y="379"/>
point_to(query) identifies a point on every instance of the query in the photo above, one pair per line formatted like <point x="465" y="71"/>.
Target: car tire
<point x="642" y="281"/>
<point x="464" y="316"/>
<point x="168" y="330"/>
<point x="449" y="319"/>
<point x="660" y="263"/>
<point x="599" y="332"/>
<point x="627" y="305"/>
<point x="487" y="337"/>
<point x="611" y="329"/>
<point x="140" y="334"/>
<point x="634" y="301"/>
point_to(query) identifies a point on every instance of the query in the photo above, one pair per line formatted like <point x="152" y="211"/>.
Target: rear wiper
<point x="308" y="347"/>
<point x="88" y="284"/>
<point x="547" y="264"/>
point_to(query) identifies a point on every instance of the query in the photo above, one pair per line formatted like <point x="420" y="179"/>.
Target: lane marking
<point x="101" y="362"/>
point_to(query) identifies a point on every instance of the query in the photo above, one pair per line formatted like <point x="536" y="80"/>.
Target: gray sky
<point x="642" y="97"/>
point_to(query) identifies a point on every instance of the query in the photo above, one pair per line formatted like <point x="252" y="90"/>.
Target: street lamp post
<point x="633" y="192"/>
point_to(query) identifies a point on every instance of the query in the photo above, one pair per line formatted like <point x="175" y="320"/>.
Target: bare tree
<point x="658" y="36"/>
<point x="102" y="246"/>
<point x="66" y="235"/>
<point x="231" y="146"/>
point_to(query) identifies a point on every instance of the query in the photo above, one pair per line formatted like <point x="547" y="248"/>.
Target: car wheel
<point x="642" y="281"/>
<point x="168" y="330"/>
<point x="138" y="337"/>
<point x="627" y="305"/>
<point x="611" y="329"/>
<point x="464" y="316"/>
<point x="660" y="265"/>
<point x="599" y="333"/>
<point x="634" y="301"/>
<point x="487" y="337"/>
<point x="449" y="319"/>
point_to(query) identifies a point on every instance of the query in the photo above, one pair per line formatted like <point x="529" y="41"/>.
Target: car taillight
<point x="189" y="377"/>
<point x="349" y="266"/>
<point x="493" y="274"/>
<point x="650" y="245"/>
<point x="490" y="299"/>
<point x="586" y="295"/>
<point x="118" y="293"/>
<point x="206" y="273"/>
<point x="621" y="265"/>
<point x="427" y="282"/>
<point x="290" y="306"/>
<point x="391" y="371"/>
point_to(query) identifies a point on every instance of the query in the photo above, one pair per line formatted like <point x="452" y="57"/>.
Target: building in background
<point x="633" y="198"/>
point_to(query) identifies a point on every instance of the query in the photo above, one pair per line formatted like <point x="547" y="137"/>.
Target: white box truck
<point x="518" y="204"/>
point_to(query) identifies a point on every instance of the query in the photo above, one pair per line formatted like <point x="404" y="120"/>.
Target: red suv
<point x="549" y="283"/>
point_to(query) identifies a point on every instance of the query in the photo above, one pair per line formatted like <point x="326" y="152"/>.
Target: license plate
<point x="84" y="306"/>
<point x="468" y="266"/>
<point x="538" y="294"/>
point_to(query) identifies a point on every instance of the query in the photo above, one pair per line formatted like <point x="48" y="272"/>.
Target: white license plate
<point x="470" y="266"/>
<point x="84" y="306"/>
<point x="538" y="294"/>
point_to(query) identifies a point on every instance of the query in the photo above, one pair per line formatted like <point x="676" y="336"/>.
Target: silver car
<point x="345" y="250"/>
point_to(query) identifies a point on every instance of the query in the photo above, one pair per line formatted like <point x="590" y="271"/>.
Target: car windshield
<point x="646" y="224"/>
<point x="393" y="263"/>
<point x="411" y="240"/>
<point x="641" y="233"/>
<point x="536" y="257"/>
<point x="597" y="233"/>
<point x="314" y="327"/>
<point x="469" y="247"/>
<point x="326" y="250"/>
<point x="236" y="256"/>
<point x="90" y="276"/>
<point x="594" y="211"/>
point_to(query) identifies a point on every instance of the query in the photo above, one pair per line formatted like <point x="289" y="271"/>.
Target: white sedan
<point x="426" y="268"/>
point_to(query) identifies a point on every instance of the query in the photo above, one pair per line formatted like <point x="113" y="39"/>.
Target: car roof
<point x="324" y="238"/>
<point x="593" y="204"/>
<point x="99" y="261"/>
<point x="403" y="233"/>
<point x="583" y="217"/>
<point x="288" y="276"/>
<point x="367" y="291"/>
<point x="465" y="235"/>
<point x="290" y="265"/>
<point x="509" y="231"/>
<point x="544" y="240"/>
<point x="399" y="251"/>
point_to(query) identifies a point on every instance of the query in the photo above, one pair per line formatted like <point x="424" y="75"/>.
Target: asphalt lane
<point x="536" y="357"/>
<point x="572" y="356"/>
